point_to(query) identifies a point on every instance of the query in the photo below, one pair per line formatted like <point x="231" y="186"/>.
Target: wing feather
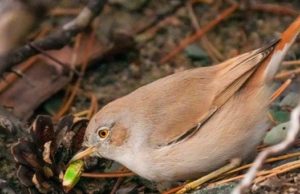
<point x="187" y="100"/>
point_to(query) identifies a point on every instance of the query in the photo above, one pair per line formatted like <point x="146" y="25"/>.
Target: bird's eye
<point x="103" y="132"/>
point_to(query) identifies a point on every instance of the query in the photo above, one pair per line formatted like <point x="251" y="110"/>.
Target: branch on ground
<point x="260" y="159"/>
<point x="56" y="40"/>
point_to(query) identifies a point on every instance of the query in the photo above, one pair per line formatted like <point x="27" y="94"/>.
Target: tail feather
<point x="269" y="67"/>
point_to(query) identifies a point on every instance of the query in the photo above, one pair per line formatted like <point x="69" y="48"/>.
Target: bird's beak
<point x="81" y="154"/>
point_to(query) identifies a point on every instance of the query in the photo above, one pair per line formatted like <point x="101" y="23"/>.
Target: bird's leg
<point x="194" y="184"/>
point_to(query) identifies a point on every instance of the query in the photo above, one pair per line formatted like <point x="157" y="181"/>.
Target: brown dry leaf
<point x="45" y="77"/>
<point x="46" y="152"/>
<point x="25" y="175"/>
<point x="42" y="129"/>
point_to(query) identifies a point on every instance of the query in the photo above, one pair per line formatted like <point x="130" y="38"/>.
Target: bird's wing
<point x="180" y="104"/>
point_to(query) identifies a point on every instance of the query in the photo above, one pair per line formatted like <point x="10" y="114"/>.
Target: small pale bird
<point x="191" y="123"/>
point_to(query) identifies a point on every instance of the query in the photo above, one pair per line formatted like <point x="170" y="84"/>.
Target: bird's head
<point x="106" y="135"/>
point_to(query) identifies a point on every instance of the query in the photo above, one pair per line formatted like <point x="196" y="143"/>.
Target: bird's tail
<point x="268" y="68"/>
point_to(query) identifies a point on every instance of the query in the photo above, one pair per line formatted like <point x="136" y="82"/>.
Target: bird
<point x="191" y="123"/>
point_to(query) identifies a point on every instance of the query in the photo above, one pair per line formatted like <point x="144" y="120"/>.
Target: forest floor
<point x="114" y="75"/>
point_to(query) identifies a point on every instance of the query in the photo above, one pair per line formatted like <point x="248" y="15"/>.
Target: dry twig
<point x="291" y="136"/>
<point x="190" y="39"/>
<point x="117" y="184"/>
<point x="246" y="166"/>
<point x="281" y="89"/>
<point x="64" y="11"/>
<point x="76" y="87"/>
<point x="94" y="105"/>
<point x="157" y="20"/>
<point x="107" y="175"/>
<point x="211" y="50"/>
<point x="262" y="175"/>
<point x="290" y="63"/>
<point x="285" y="74"/>
<point x="272" y="8"/>
<point x="56" y="40"/>
<point x="11" y="77"/>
